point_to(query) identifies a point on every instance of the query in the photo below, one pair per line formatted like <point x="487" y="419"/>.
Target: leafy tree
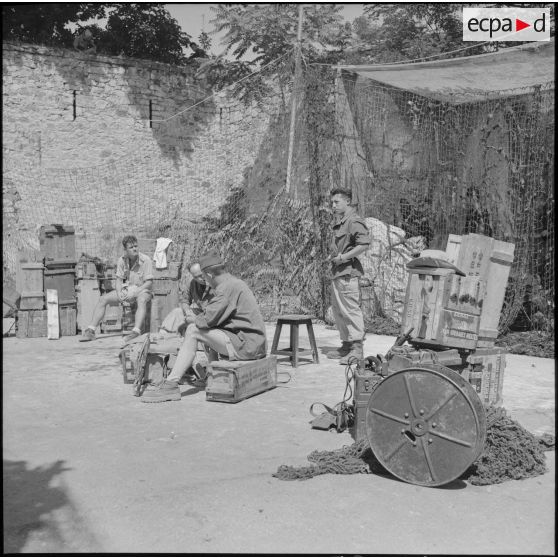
<point x="144" y="31"/>
<point x="46" y="23"/>
<point x="140" y="30"/>
<point x="258" y="34"/>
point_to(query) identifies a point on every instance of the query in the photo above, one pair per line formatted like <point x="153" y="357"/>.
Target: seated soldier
<point x="231" y="325"/>
<point x="134" y="281"/>
<point x="197" y="297"/>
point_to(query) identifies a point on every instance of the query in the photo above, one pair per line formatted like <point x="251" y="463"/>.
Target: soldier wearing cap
<point x="231" y="325"/>
<point x="350" y="239"/>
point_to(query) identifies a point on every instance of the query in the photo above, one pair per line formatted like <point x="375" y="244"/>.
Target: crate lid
<point x="57" y="229"/>
<point x="55" y="264"/>
<point x="58" y="271"/>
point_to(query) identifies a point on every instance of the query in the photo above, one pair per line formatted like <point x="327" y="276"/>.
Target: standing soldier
<point x="350" y="239"/>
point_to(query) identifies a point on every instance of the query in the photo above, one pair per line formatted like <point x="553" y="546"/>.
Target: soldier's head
<point x="130" y="243"/>
<point x="341" y="200"/>
<point x="197" y="274"/>
<point x="212" y="266"/>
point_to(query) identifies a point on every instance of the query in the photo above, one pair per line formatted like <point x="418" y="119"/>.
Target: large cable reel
<point x="426" y="425"/>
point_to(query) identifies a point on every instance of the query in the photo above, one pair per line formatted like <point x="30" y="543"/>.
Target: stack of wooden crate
<point x="58" y="248"/>
<point x="55" y="271"/>
<point x="449" y="310"/>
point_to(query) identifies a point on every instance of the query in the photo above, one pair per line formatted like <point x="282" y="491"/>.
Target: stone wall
<point x="79" y="147"/>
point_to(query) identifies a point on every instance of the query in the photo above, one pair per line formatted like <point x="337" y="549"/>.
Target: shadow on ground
<point x="28" y="499"/>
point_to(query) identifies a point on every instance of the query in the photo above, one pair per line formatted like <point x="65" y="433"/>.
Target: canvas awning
<point x="515" y="70"/>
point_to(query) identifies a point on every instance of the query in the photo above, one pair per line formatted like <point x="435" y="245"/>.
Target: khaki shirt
<point x="349" y="232"/>
<point x="140" y="272"/>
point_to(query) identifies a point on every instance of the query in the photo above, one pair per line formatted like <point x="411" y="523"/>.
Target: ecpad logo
<point x="506" y="24"/>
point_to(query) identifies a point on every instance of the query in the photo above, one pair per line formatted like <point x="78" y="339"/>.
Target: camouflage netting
<point x="510" y="453"/>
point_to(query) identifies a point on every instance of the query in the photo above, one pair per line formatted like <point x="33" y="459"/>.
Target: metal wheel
<point x="426" y="425"/>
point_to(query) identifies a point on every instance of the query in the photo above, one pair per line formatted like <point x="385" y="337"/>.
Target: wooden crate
<point x="31" y="323"/>
<point x="172" y="271"/>
<point x="63" y="281"/>
<point x="68" y="320"/>
<point x="57" y="243"/>
<point x="29" y="277"/>
<point x="490" y="260"/>
<point x="485" y="372"/>
<point x="88" y="295"/>
<point x="32" y="301"/>
<point x="112" y="320"/>
<point x="165" y="299"/>
<point x="440" y="309"/>
<point x="231" y="381"/>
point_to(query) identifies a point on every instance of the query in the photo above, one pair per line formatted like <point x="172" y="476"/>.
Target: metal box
<point x="231" y="381"/>
<point x="365" y="382"/>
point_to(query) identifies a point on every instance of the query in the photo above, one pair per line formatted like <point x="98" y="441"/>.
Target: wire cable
<point x="226" y="87"/>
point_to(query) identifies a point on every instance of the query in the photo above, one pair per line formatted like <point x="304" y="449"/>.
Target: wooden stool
<point x="294" y="320"/>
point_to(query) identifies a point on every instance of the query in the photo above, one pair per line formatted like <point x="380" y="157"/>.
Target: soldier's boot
<point x="341" y="351"/>
<point x="354" y="355"/>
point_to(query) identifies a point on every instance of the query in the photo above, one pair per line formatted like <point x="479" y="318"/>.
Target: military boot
<point x="354" y="355"/>
<point x="341" y="351"/>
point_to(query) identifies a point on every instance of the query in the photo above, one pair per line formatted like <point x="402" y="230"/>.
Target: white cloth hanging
<point x="160" y="255"/>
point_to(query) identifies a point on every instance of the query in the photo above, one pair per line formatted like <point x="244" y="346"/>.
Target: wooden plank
<point x="432" y="283"/>
<point x="53" y="324"/>
<point x="500" y="263"/>
<point x="452" y="248"/>
<point x="411" y="303"/>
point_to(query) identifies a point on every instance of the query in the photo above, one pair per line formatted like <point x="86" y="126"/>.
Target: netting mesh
<point x="484" y="167"/>
<point x="428" y="167"/>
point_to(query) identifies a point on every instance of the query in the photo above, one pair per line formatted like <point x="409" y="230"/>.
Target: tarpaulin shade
<point x="471" y="78"/>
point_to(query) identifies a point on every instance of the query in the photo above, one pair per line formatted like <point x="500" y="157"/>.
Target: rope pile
<point x="510" y="453"/>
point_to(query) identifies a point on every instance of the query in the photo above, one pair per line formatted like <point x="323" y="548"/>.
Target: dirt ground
<point x="89" y="468"/>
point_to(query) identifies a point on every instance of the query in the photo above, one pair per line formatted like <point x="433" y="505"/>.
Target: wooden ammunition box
<point x="32" y="301"/>
<point x="231" y="381"/>
<point x="63" y="281"/>
<point x="490" y="261"/>
<point x="31" y="323"/>
<point x="57" y="242"/>
<point x="112" y="320"/>
<point x="485" y="372"/>
<point x="443" y="308"/>
<point x="68" y="320"/>
<point x="165" y="299"/>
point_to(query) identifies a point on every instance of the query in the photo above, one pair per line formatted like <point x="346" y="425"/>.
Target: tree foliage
<point x="46" y="23"/>
<point x="256" y="35"/>
<point x="139" y="30"/>
<point x="144" y="31"/>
